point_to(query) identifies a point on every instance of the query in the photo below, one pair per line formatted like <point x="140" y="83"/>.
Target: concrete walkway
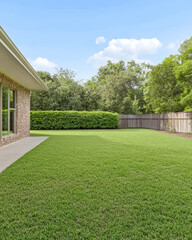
<point x="13" y="151"/>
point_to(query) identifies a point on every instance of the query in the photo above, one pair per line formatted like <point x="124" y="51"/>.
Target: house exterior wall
<point x="22" y="111"/>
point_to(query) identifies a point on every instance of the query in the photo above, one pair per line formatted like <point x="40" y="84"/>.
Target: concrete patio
<point x="13" y="151"/>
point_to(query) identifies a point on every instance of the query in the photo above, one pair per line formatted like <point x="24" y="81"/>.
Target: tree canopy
<point x="64" y="92"/>
<point x="125" y="88"/>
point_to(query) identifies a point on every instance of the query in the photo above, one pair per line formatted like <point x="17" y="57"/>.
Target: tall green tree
<point x="118" y="93"/>
<point x="126" y="88"/>
<point x="92" y="94"/>
<point x="162" y="90"/>
<point x="183" y="73"/>
<point x="117" y="87"/>
<point x="64" y="93"/>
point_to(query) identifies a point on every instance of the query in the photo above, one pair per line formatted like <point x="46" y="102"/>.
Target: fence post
<point x="181" y="121"/>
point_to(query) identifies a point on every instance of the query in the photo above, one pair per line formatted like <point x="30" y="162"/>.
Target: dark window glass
<point x="12" y="98"/>
<point x="12" y="120"/>
<point x="5" y="111"/>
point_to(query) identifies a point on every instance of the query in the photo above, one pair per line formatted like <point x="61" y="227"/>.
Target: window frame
<point x="1" y="119"/>
<point x="9" y="110"/>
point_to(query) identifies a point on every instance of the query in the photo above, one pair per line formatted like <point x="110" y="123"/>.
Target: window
<point x="12" y="111"/>
<point x="7" y="111"/>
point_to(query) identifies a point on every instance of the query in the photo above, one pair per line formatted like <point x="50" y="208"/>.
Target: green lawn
<point x="100" y="184"/>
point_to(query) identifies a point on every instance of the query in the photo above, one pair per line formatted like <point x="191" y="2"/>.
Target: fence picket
<point x="179" y="122"/>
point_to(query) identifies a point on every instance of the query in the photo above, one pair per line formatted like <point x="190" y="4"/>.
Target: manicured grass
<point x="99" y="184"/>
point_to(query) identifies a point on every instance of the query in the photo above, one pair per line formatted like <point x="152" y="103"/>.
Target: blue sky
<point x="63" y="33"/>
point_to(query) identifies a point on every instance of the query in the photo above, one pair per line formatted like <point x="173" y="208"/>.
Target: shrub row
<point x="57" y="120"/>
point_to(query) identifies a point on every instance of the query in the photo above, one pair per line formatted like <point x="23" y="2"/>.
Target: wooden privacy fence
<point x="179" y="122"/>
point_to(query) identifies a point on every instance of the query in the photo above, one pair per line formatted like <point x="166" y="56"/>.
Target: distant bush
<point x="50" y="120"/>
<point x="188" y="110"/>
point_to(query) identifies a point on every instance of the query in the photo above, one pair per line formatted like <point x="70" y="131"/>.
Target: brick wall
<point x="22" y="111"/>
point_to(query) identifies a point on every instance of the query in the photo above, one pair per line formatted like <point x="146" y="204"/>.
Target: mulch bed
<point x="185" y="135"/>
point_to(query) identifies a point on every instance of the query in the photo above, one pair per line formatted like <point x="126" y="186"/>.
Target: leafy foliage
<point x="64" y="92"/>
<point x="183" y="73"/>
<point x="169" y="84"/>
<point x="162" y="90"/>
<point x="5" y="119"/>
<point x="72" y="120"/>
<point x="118" y="88"/>
<point x="126" y="88"/>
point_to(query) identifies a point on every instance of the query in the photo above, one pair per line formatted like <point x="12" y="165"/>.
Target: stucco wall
<point x="22" y="111"/>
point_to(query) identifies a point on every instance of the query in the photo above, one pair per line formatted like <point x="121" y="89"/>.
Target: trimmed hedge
<point x="50" y="120"/>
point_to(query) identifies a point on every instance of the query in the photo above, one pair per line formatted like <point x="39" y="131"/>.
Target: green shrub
<point x="57" y="120"/>
<point x="167" y="128"/>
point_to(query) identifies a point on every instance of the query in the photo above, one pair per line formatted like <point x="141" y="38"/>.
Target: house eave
<point x="14" y="65"/>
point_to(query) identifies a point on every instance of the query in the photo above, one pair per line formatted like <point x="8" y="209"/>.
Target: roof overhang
<point x="14" y="65"/>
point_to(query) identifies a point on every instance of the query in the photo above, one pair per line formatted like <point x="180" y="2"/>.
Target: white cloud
<point x="126" y="49"/>
<point x="100" y="40"/>
<point x="43" y="64"/>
